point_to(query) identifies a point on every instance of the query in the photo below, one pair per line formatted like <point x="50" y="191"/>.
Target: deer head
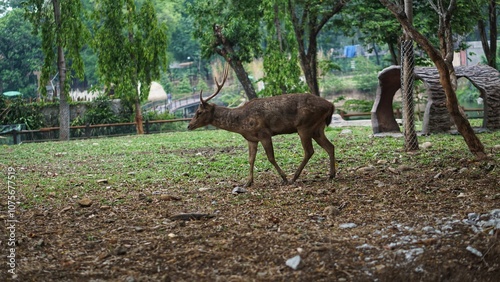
<point x="205" y="112"/>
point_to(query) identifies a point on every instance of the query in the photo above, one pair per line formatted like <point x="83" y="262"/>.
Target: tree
<point x="62" y="30"/>
<point x="131" y="49"/>
<point x="308" y="18"/>
<point x="282" y="71"/>
<point x="229" y="29"/>
<point x="374" y="25"/>
<point x="20" y="53"/>
<point x="489" y="43"/>
<point x="443" y="59"/>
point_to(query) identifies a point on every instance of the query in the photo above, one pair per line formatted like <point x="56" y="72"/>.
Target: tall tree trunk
<point x="138" y="116"/>
<point x="308" y="61"/>
<point x="64" y="132"/>
<point x="393" y="52"/>
<point x="228" y="53"/>
<point x="490" y="48"/>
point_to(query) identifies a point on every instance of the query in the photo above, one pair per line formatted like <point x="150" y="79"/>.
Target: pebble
<point x="347" y="225"/>
<point x="474" y="251"/>
<point x="85" y="202"/>
<point x="239" y="190"/>
<point x="426" y="145"/>
<point x="294" y="262"/>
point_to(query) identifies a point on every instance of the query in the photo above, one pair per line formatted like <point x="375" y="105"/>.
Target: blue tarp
<point x="350" y="51"/>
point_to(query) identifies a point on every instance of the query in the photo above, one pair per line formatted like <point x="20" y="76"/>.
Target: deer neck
<point x="226" y="118"/>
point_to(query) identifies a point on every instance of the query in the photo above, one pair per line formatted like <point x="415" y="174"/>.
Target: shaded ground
<point x="382" y="223"/>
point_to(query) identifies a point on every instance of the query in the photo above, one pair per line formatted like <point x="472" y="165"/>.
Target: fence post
<point x="87" y="130"/>
<point x="147" y="126"/>
<point x="14" y="136"/>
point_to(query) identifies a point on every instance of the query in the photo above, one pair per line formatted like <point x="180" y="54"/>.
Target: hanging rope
<point x="407" y="84"/>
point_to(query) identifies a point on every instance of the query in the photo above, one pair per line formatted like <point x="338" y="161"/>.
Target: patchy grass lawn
<point x="104" y="210"/>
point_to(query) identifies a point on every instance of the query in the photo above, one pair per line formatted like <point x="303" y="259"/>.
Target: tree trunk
<point x="490" y="48"/>
<point x="394" y="55"/>
<point x="138" y="116"/>
<point x="64" y="133"/>
<point x="228" y="53"/>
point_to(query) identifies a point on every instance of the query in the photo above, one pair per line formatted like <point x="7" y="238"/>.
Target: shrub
<point x="16" y="111"/>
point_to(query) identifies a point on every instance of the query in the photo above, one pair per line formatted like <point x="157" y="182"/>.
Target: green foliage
<point x="202" y="85"/>
<point x="98" y="112"/>
<point x="69" y="34"/>
<point x="466" y="91"/>
<point x="131" y="46"/>
<point x="153" y="115"/>
<point x="19" y="54"/>
<point x="355" y="105"/>
<point x="16" y="111"/>
<point x="366" y="77"/>
<point x="334" y="84"/>
<point x="184" y="86"/>
<point x="239" y="20"/>
<point x="281" y="64"/>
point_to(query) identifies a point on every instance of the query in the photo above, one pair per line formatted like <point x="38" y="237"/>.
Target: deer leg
<point x="308" y="152"/>
<point x="268" y="147"/>
<point x="252" y="151"/>
<point x="323" y="141"/>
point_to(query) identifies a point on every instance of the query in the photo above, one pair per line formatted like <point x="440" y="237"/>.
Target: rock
<point x="426" y="145"/>
<point x="382" y="162"/>
<point x="365" y="246"/>
<point x="474" y="251"/>
<point x="238" y="190"/>
<point x="294" y="262"/>
<point x="366" y="169"/>
<point x="85" y="202"/>
<point x="347" y="225"/>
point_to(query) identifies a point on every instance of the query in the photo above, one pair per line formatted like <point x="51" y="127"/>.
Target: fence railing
<point x="92" y="131"/>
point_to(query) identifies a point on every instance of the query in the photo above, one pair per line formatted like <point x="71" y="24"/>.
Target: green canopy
<point x="12" y="93"/>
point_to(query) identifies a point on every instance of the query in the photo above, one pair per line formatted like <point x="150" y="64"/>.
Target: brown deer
<point x="260" y="119"/>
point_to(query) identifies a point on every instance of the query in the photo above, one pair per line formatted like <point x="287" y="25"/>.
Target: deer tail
<point x="328" y="119"/>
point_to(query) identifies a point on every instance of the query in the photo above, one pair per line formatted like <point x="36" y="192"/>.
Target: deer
<point x="258" y="120"/>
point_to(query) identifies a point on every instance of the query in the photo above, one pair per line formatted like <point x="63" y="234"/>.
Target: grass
<point x="52" y="172"/>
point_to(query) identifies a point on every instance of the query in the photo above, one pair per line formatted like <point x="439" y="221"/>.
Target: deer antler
<point x="219" y="85"/>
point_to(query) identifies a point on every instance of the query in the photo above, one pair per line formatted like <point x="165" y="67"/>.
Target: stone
<point x="85" y="202"/>
<point x="294" y="263"/>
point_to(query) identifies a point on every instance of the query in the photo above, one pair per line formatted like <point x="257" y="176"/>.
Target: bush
<point x="355" y="105"/>
<point x="16" y="111"/>
<point x="98" y="112"/>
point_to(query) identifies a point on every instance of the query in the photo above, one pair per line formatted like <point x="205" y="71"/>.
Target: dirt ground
<point x="376" y="224"/>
